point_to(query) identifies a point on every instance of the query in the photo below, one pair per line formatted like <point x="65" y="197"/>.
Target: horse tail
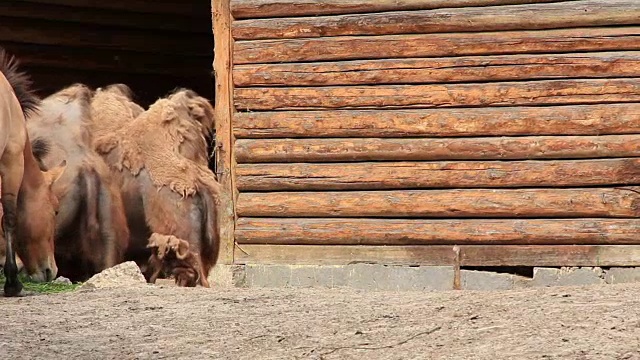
<point x="210" y="228"/>
<point x="20" y="82"/>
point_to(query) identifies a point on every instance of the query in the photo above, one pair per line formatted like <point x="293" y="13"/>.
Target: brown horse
<point x="160" y="157"/>
<point x="29" y="205"/>
<point x="91" y="227"/>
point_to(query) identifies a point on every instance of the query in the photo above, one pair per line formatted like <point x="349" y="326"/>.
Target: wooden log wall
<point x="151" y="46"/>
<point x="392" y="131"/>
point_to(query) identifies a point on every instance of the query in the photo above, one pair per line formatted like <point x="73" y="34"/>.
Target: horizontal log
<point x="194" y="8"/>
<point x="45" y="32"/>
<point x="437" y="45"/>
<point x="467" y="203"/>
<point x="105" y="17"/>
<point x="60" y="57"/>
<point x="499" y="121"/>
<point x="438" y="232"/>
<point x="470" y="255"/>
<point x="426" y="175"/>
<point x="441" y="70"/>
<point x="248" y="9"/>
<point x="489" y="148"/>
<point x="546" y="92"/>
<point x="584" y="13"/>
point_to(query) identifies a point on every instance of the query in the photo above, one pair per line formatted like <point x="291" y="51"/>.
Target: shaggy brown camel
<point x="194" y="147"/>
<point x="91" y="227"/>
<point x="171" y="193"/>
<point x="113" y="107"/>
<point x="26" y="191"/>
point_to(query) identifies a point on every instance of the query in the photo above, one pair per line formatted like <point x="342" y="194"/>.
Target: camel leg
<point x="11" y="181"/>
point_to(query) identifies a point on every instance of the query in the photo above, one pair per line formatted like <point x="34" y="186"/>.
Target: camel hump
<point x="20" y="82"/>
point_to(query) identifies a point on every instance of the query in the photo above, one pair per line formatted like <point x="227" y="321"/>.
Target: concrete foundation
<point x="408" y="278"/>
<point x="567" y="276"/>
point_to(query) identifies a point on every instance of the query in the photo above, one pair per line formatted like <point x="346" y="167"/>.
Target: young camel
<point x="91" y="227"/>
<point x="173" y="194"/>
<point x="25" y="189"/>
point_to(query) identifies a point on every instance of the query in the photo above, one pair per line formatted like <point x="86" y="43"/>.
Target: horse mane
<point x="20" y="82"/>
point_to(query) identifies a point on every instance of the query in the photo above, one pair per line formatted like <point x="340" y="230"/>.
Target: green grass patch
<point x="41" y="288"/>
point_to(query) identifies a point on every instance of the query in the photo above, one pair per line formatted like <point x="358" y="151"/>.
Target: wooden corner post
<point x="222" y="67"/>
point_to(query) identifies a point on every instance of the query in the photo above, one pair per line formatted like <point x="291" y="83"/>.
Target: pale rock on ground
<point x="62" y="280"/>
<point x="126" y="274"/>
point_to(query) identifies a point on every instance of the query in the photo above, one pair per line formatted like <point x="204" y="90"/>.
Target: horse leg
<point x="11" y="181"/>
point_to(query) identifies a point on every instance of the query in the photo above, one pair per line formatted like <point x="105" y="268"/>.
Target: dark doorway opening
<point x="152" y="46"/>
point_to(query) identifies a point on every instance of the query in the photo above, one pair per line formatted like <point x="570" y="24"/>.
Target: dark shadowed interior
<point x="152" y="46"/>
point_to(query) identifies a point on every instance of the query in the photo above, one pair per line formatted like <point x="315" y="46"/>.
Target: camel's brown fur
<point x="165" y="134"/>
<point x="171" y="255"/>
<point x="91" y="227"/>
<point x="174" y="194"/>
<point x="112" y="108"/>
<point x="195" y="147"/>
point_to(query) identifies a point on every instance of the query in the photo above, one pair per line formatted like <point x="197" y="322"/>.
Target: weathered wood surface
<point x="470" y="255"/>
<point x="222" y="64"/>
<point x="107" y="17"/>
<point x="465" y="203"/>
<point x="244" y="9"/>
<point x="546" y="92"/>
<point x="284" y="231"/>
<point x="426" y="175"/>
<point x="437" y="45"/>
<point x="488" y="148"/>
<point x="584" y="13"/>
<point x="441" y="70"/>
<point x="499" y="121"/>
<point x="82" y="35"/>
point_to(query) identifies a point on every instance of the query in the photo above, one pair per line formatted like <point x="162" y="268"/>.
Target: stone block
<point x="565" y="276"/>
<point x="622" y="275"/>
<point x="400" y="278"/>
<point x="359" y="276"/>
<point x="486" y="280"/>
<point x="225" y="276"/>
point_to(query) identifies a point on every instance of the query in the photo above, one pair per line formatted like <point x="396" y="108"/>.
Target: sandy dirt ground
<point x="165" y="322"/>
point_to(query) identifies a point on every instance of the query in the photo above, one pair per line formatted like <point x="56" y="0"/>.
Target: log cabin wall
<point x="428" y="132"/>
<point x="153" y="46"/>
